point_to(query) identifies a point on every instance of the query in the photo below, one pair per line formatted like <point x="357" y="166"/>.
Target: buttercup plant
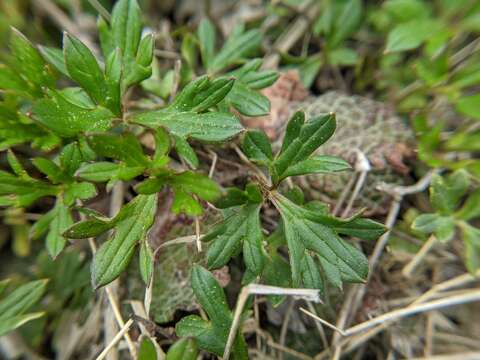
<point x="89" y="139"/>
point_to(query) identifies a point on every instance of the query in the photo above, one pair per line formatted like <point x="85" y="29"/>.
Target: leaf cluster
<point x="311" y="234"/>
<point x="454" y="209"/>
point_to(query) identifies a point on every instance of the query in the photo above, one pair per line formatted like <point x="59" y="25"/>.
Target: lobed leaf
<point x="301" y="140"/>
<point x="240" y="228"/>
<point x="303" y="231"/>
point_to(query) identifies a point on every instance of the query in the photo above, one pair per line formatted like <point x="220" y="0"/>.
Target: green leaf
<point x="259" y="79"/>
<point x="471" y="239"/>
<point x="42" y="225"/>
<point x="61" y="221"/>
<point x="84" y="69"/>
<point x="124" y="147"/>
<point x="200" y="94"/>
<point x="22" y="299"/>
<point x="309" y="68"/>
<point x="404" y="10"/>
<point x="79" y="190"/>
<point x="257" y="147"/>
<point x="78" y="97"/>
<point x="464" y="141"/>
<point x="151" y="185"/>
<point x="14" y="305"/>
<point x="294" y="127"/>
<point x="216" y="92"/>
<point x="23" y="192"/>
<point x="183" y="349"/>
<point x="115" y="254"/>
<point x="126" y="27"/>
<point x="127" y="173"/>
<point x="302" y="139"/>
<point x="196" y="183"/>
<point x="188" y="51"/>
<point x="235" y="48"/>
<point x="126" y="30"/>
<point x="145" y="51"/>
<point x="343" y="56"/>
<point x="98" y="172"/>
<point x="365" y="229"/>
<point x="250" y="68"/>
<point x="16" y="128"/>
<point x="211" y="336"/>
<point x="113" y="76"/>
<point x="469" y="106"/>
<point x="206" y="37"/>
<point x="10" y="80"/>
<point x="147" y="350"/>
<point x="211" y="297"/>
<point x="146" y="262"/>
<point x="304" y="230"/>
<point x="49" y="168"/>
<point x="471" y="209"/>
<point x="311" y="276"/>
<point x="410" y="35"/>
<point x="67" y="119"/>
<point x="446" y="192"/>
<point x="442" y="226"/>
<point x="186" y="152"/>
<point x="348" y="16"/>
<point x="105" y="37"/>
<point x="233" y="197"/>
<point x="162" y="143"/>
<point x="15" y="322"/>
<point x="322" y="164"/>
<point x="247" y="101"/>
<point x="240" y="228"/>
<point x="208" y="337"/>
<point x="185" y="203"/>
<point x="54" y="57"/>
<point x="296" y="195"/>
<point x="184" y="186"/>
<point x="29" y="63"/>
<point x="209" y="127"/>
<point x="71" y="157"/>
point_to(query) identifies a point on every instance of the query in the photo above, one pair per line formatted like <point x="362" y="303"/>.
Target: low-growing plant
<point x="453" y="213"/>
<point x="85" y="137"/>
